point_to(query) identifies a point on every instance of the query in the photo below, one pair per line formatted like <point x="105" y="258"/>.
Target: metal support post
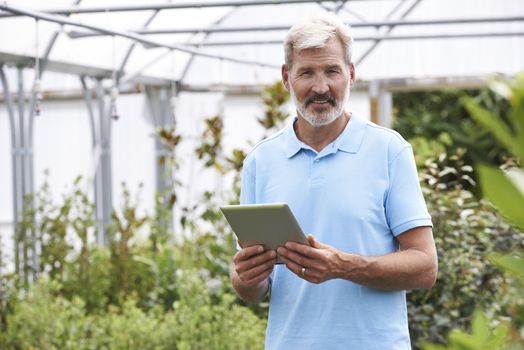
<point x="100" y="124"/>
<point x="163" y="117"/>
<point x="380" y="104"/>
<point x="15" y="171"/>
<point x="95" y="175"/>
<point x="385" y="107"/>
<point x="373" y="101"/>
<point x="22" y="172"/>
<point x="103" y="185"/>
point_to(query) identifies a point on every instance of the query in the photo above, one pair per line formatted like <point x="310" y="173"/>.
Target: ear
<point x="285" y="76"/>
<point x="351" y="75"/>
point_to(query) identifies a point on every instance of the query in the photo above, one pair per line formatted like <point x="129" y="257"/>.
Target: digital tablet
<point x="271" y="225"/>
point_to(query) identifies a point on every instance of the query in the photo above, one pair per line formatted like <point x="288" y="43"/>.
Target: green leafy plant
<point x="204" y="324"/>
<point x="499" y="187"/>
<point x="131" y="272"/>
<point x="168" y="163"/>
<point x="482" y="337"/>
<point x="274" y="97"/>
<point x="466" y="230"/>
<point x="446" y="172"/>
<point x="445" y="125"/>
<point x="508" y="198"/>
<point x="210" y="150"/>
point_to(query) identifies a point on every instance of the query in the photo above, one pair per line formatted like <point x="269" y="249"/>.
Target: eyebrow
<point x="334" y="66"/>
<point x="331" y="66"/>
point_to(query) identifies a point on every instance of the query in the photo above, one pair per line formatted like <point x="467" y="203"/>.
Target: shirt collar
<point x="348" y="141"/>
<point x="293" y="144"/>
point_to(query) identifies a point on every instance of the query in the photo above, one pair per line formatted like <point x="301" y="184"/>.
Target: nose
<point x="320" y="84"/>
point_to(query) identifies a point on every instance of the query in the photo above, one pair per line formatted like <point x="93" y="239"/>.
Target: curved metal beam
<point x="15" y="147"/>
<point x="164" y="54"/>
<point x="371" y="38"/>
<point x="78" y="34"/>
<point x="179" y="5"/>
<point x="128" y="35"/>
<point x="43" y="64"/>
<point x="133" y="45"/>
<point x="377" y="42"/>
<point x="192" y="58"/>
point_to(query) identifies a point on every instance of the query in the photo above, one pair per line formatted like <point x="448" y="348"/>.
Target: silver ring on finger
<point x="303" y="272"/>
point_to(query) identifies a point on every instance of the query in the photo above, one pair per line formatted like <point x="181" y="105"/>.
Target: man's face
<point x="319" y="82"/>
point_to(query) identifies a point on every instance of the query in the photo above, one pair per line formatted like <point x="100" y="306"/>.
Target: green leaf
<point x="502" y="193"/>
<point x="493" y="124"/>
<point x="461" y="340"/>
<point x="513" y="264"/>
<point x="517" y="102"/>
<point x="480" y="327"/>
<point x="499" y="336"/>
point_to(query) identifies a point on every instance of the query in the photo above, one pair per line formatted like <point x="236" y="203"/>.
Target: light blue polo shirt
<point x="357" y="194"/>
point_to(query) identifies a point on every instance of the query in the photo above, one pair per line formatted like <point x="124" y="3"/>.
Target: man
<point x="354" y="186"/>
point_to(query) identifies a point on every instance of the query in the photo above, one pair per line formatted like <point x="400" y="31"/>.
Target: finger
<point x="297" y="258"/>
<point x="310" y="274"/>
<point x="248" y="252"/>
<point x="304" y="250"/>
<point x="256" y="281"/>
<point x="268" y="257"/>
<point x="314" y="243"/>
<point x="258" y="274"/>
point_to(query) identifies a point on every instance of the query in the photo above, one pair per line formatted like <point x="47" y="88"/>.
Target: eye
<point x="305" y="73"/>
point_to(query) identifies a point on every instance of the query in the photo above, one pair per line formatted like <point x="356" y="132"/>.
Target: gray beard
<point x="315" y="120"/>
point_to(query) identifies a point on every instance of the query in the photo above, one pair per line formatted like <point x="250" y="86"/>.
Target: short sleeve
<point x="247" y="191"/>
<point x="405" y="205"/>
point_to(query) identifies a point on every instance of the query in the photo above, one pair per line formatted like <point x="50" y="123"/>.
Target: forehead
<point x="331" y="54"/>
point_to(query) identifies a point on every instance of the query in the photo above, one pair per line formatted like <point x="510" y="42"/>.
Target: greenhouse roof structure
<point x="88" y="51"/>
<point x="239" y="42"/>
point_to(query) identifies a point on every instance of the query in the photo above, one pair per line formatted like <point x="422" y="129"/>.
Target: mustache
<point x="321" y="98"/>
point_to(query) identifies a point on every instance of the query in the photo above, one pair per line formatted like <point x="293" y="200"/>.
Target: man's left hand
<point x="315" y="263"/>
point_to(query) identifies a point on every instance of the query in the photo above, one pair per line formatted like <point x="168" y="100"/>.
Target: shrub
<point x="439" y="116"/>
<point x="203" y="318"/>
<point x="465" y="231"/>
<point x="203" y="324"/>
<point x="467" y="279"/>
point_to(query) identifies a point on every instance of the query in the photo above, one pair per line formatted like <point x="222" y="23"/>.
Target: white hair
<point x="315" y="32"/>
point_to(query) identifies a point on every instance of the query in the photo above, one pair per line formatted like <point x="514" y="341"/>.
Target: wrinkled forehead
<point x="331" y="54"/>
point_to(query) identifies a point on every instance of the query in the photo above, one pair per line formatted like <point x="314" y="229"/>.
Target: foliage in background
<point x="435" y="122"/>
<point x="129" y="295"/>
<point x="446" y="172"/>
<point x="153" y="293"/>
<point x="507" y="194"/>
<point x="465" y="231"/>
<point x="168" y="164"/>
<point x="44" y="319"/>
<point x="274" y="97"/>
<point x="210" y="150"/>
<point x="500" y="188"/>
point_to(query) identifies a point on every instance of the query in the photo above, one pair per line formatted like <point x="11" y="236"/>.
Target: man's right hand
<point x="251" y="269"/>
<point x="253" y="265"/>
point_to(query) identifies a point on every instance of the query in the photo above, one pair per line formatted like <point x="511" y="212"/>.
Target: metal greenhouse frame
<point x="158" y="90"/>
